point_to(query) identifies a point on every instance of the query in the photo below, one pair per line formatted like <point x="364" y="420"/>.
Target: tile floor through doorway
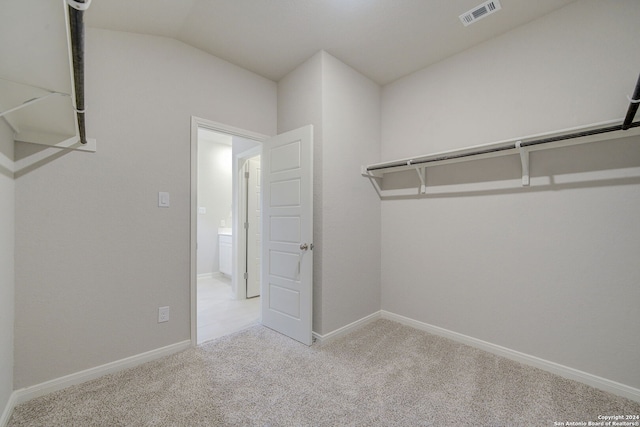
<point x="218" y="313"/>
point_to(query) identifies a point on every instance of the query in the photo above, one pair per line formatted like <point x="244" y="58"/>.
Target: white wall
<point x="7" y="221"/>
<point x="344" y="108"/>
<point x="552" y="270"/>
<point x="300" y="104"/>
<point x="95" y="256"/>
<point x="350" y="210"/>
<point x="214" y="194"/>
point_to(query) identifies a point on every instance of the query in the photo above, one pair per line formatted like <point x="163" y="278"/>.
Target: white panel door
<point x="287" y="233"/>
<point x="253" y="229"/>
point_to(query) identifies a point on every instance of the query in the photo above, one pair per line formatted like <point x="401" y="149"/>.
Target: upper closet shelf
<point x="42" y="76"/>
<point x="523" y="146"/>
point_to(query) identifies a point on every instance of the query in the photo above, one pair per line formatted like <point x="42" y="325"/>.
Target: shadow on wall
<point x="598" y="164"/>
<point x="6" y="155"/>
<point x="29" y="157"/>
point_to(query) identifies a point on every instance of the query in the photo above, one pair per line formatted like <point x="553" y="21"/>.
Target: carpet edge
<point x="8" y="409"/>
<point x="25" y="394"/>
<point x="347" y="329"/>
<point x="600" y="383"/>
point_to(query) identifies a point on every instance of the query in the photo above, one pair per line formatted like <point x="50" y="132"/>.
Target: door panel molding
<point x="287" y="229"/>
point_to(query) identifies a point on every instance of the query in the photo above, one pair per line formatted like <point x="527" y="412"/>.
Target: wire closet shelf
<point x="522" y="146"/>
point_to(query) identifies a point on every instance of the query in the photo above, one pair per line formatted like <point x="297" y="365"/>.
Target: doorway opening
<point x="225" y="230"/>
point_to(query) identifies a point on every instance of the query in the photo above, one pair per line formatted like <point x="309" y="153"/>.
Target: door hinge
<point x="246" y="225"/>
<point x="246" y="275"/>
<point x="246" y="175"/>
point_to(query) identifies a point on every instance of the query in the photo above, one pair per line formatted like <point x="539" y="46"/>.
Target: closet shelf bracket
<point x="524" y="159"/>
<point x="31" y="102"/>
<point x="608" y="130"/>
<point x="422" y="175"/>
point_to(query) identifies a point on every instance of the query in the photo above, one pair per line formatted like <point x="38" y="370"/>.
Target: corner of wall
<point x="7" y="275"/>
<point x="439" y="252"/>
<point x="300" y="104"/>
<point x="344" y="107"/>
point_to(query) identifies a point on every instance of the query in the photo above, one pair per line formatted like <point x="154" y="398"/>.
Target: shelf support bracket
<point x="422" y="174"/>
<point x="30" y="102"/>
<point x="374" y="178"/>
<point x="524" y="159"/>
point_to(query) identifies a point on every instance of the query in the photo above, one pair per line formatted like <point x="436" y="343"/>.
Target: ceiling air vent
<point x="479" y="12"/>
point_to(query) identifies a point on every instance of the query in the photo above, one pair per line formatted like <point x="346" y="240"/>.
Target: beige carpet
<point x="384" y="374"/>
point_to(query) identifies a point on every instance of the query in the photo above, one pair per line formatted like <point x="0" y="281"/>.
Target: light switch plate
<point x="163" y="199"/>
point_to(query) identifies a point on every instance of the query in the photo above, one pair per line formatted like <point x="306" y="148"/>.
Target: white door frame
<point x="197" y="122"/>
<point x="240" y="217"/>
<point x="252" y="197"/>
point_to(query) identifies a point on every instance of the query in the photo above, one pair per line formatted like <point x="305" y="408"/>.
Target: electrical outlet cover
<point x="163" y="314"/>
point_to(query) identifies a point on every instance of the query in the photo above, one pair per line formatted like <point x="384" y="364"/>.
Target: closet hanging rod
<point x="634" y="101"/>
<point x="511" y="146"/>
<point x="76" y="34"/>
<point x="517" y="144"/>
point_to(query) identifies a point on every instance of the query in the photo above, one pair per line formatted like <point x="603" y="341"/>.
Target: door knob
<point x="304" y="246"/>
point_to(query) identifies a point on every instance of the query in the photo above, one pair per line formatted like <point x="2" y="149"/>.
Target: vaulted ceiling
<point x="383" y="39"/>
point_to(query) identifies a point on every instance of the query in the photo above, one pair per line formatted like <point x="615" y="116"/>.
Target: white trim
<point x="8" y="410"/>
<point x="239" y="284"/>
<point x="410" y="163"/>
<point x="197" y="122"/>
<point x="555" y="368"/>
<point x="7" y="163"/>
<point x="230" y="130"/>
<point x="351" y="327"/>
<point x="53" y="144"/>
<point x="56" y="141"/>
<point x="25" y="394"/>
<point x="28" y="393"/>
<point x="31" y="101"/>
<point x="13" y="127"/>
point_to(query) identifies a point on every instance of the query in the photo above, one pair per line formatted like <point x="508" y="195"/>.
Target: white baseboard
<point x="8" y="409"/>
<point x="555" y="368"/>
<point x="28" y="393"/>
<point x="323" y="339"/>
